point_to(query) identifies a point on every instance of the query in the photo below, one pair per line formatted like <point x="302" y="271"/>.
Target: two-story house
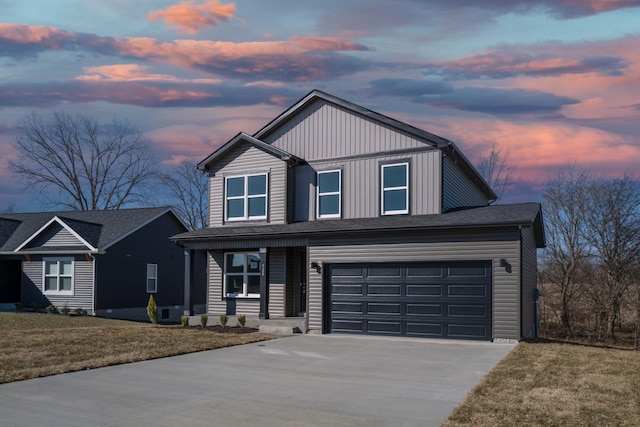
<point x="363" y="224"/>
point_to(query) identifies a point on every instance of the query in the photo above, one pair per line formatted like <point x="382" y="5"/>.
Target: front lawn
<point x="36" y="345"/>
<point x="556" y="384"/>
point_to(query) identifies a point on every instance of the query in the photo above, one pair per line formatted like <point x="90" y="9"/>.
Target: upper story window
<point x="152" y="278"/>
<point x="329" y="197"/>
<point x="246" y="197"/>
<point x="242" y="274"/>
<point x="58" y="275"/>
<point x="395" y="189"/>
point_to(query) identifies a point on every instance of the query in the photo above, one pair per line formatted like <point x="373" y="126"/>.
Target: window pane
<point x="395" y="176"/>
<point x="151" y="270"/>
<point x="235" y="208"/>
<point x="253" y="285"/>
<point x="235" y="263"/>
<point x="257" y="185"/>
<point x="257" y="206"/>
<point x="253" y="263"/>
<point x="65" y="283"/>
<point x="395" y="200"/>
<point x="151" y="285"/>
<point x="50" y="268"/>
<point x="329" y="205"/>
<point x="65" y="268"/>
<point x="329" y="182"/>
<point x="235" y="186"/>
<point x="234" y="284"/>
<point x="51" y="284"/>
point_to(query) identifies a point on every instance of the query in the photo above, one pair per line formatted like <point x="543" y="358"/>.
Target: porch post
<point x="187" y="283"/>
<point x="264" y="285"/>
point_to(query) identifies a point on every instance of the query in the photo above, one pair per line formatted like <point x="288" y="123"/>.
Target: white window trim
<point x="44" y="275"/>
<point x="245" y="274"/>
<point x="405" y="187"/>
<point x="246" y="197"/>
<point x="329" y="193"/>
<point x="155" y="291"/>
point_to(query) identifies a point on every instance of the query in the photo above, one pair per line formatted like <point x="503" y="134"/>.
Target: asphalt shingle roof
<point x="98" y="228"/>
<point x="522" y="214"/>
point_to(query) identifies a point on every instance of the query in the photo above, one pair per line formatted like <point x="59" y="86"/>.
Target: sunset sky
<point x="549" y="81"/>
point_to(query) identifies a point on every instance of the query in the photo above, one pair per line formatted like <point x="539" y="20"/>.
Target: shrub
<point x="223" y="319"/>
<point x="51" y="309"/>
<point x="185" y="321"/>
<point x="65" y="309"/>
<point x="152" y="310"/>
<point x="78" y="311"/>
<point x="35" y="306"/>
<point x="18" y="306"/>
<point x="242" y="320"/>
<point x="203" y="320"/>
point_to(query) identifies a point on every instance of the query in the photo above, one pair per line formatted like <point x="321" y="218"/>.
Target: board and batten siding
<point x="325" y="131"/>
<point x="505" y="284"/>
<point x="529" y="282"/>
<point x="83" y="276"/>
<point x="361" y="184"/>
<point x="457" y="189"/>
<point x="242" y="159"/>
<point x="55" y="236"/>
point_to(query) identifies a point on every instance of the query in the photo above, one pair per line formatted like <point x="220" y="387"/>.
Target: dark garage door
<point x="436" y="300"/>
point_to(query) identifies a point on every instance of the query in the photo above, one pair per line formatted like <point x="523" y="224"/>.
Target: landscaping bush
<point x="50" y="309"/>
<point x="242" y="320"/>
<point x="152" y="310"/>
<point x="223" y="319"/>
<point x="203" y="320"/>
<point x="185" y="321"/>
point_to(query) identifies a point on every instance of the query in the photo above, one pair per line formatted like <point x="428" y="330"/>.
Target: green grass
<point x="555" y="384"/>
<point x="36" y="345"/>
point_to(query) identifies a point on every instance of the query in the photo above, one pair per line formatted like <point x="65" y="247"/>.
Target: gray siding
<point x="506" y="284"/>
<point x="529" y="281"/>
<point x="361" y="184"/>
<point x="82" y="287"/>
<point x="277" y="267"/>
<point x="324" y="131"/>
<point x="457" y="188"/>
<point x="245" y="158"/>
<point x="55" y="236"/>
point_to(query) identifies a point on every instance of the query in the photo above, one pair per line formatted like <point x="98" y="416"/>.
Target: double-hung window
<point x="246" y="197"/>
<point x="395" y="189"/>
<point x="329" y="197"/>
<point x="58" y="276"/>
<point x="152" y="278"/>
<point x="242" y="274"/>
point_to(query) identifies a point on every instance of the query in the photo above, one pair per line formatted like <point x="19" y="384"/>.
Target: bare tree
<point x="188" y="189"/>
<point x="90" y="165"/>
<point x="495" y="169"/>
<point x="614" y="233"/>
<point x="566" y="201"/>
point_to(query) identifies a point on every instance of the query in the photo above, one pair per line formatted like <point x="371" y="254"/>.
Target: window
<point x="395" y="189"/>
<point x="246" y="197"/>
<point x="152" y="278"/>
<point x="58" y="275"/>
<point x="329" y="198"/>
<point x="242" y="274"/>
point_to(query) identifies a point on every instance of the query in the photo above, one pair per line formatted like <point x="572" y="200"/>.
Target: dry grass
<point x="554" y="384"/>
<point x="36" y="345"/>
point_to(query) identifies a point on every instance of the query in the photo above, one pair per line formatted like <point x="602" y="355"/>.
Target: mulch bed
<point x="228" y="329"/>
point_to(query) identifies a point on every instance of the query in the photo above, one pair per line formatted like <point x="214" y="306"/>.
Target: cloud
<point x="141" y="93"/>
<point x="132" y="73"/>
<point x="407" y="87"/>
<point x="296" y="59"/>
<point x="190" y="17"/>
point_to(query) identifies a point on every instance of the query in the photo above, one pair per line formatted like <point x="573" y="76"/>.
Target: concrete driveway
<point x="328" y="380"/>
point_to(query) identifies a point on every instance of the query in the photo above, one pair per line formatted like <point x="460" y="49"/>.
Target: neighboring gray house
<point x="359" y="223"/>
<point x="105" y="262"/>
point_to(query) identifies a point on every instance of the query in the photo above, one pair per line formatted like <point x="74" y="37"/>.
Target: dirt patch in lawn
<point x="36" y="345"/>
<point x="556" y="384"/>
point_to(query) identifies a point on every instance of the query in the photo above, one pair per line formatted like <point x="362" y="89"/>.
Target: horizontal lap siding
<point x="277" y="266"/>
<point x="505" y="284"/>
<point x="457" y="188"/>
<point x="55" y="235"/>
<point x="245" y="158"/>
<point x="82" y="286"/>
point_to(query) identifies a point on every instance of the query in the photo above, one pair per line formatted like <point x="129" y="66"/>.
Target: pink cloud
<point x="190" y="17"/>
<point x="133" y="73"/>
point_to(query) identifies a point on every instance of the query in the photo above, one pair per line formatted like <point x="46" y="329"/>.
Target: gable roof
<point x="243" y="137"/>
<point x="95" y="230"/>
<point x="492" y="216"/>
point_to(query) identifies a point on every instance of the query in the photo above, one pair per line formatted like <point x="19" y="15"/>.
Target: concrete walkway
<point x="300" y="380"/>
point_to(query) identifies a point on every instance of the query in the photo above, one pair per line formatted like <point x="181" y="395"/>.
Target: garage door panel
<point x="435" y="299"/>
